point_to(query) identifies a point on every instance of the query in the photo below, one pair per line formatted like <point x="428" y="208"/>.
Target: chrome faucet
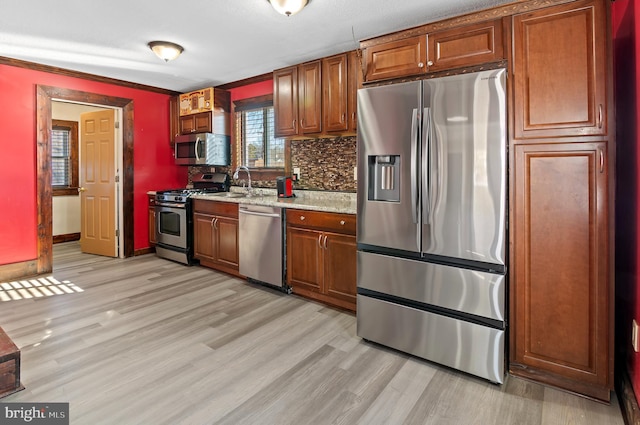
<point x="235" y="176"/>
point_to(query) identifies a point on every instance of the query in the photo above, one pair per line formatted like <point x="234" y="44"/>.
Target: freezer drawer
<point x="467" y="291"/>
<point x="471" y="348"/>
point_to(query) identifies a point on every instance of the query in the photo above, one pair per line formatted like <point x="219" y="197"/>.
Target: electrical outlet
<point x="355" y="173"/>
<point x="296" y="173"/>
<point x="634" y="335"/>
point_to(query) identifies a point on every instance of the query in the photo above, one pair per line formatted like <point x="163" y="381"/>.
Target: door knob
<point x="82" y="189"/>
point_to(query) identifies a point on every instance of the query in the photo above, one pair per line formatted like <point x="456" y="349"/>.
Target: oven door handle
<point x="162" y="204"/>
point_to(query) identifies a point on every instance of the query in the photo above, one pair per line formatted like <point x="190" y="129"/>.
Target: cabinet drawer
<point x="339" y="223"/>
<point x="226" y="209"/>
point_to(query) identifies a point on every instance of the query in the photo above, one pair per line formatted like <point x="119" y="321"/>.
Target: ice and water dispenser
<point x="384" y="178"/>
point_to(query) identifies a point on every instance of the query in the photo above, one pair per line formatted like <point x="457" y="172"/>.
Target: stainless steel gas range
<point x="174" y="216"/>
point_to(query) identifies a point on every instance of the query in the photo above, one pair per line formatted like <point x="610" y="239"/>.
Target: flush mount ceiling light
<point x="288" y="7"/>
<point x="166" y="50"/>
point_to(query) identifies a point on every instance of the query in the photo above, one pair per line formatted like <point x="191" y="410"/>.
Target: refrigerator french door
<point x="431" y="219"/>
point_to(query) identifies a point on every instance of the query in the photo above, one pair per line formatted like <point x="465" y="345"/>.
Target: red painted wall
<point x="626" y="43"/>
<point x="153" y="161"/>
<point x="252" y="90"/>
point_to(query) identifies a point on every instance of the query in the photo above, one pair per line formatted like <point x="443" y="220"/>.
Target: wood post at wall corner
<point x="44" y="191"/>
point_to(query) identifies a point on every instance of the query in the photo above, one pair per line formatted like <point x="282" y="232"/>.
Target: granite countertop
<point x="337" y="202"/>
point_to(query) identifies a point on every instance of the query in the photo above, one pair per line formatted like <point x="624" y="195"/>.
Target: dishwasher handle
<point x="241" y="211"/>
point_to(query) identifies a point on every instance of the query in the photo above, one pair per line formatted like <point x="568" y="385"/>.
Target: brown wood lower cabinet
<point x="215" y="228"/>
<point x="152" y="220"/>
<point x="321" y="256"/>
<point x="561" y="293"/>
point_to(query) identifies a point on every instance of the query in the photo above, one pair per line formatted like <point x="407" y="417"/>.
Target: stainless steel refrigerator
<point x="431" y="232"/>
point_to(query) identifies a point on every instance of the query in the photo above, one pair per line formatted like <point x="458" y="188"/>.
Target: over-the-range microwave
<point x="203" y="149"/>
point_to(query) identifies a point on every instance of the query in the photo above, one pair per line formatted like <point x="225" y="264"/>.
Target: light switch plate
<point x="355" y="173"/>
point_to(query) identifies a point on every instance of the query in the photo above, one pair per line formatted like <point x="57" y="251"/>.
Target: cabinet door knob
<point x="342" y="222"/>
<point x="430" y="63"/>
<point x="420" y="65"/>
<point x="302" y="218"/>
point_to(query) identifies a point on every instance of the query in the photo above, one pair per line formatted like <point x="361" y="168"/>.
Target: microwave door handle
<point x="414" y="165"/>
<point x="197" y="146"/>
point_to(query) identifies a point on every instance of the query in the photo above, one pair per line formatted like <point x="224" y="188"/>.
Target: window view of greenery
<point x="260" y="149"/>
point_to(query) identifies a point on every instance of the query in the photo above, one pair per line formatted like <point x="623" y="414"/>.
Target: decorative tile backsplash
<point x="325" y="164"/>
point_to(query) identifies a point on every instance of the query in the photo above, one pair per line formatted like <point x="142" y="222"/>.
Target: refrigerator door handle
<point x="414" y="165"/>
<point x="426" y="167"/>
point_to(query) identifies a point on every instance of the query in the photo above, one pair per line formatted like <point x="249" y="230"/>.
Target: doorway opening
<point x="45" y="96"/>
<point x="68" y="210"/>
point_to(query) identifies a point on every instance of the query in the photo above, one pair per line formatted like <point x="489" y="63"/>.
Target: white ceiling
<point x="224" y="40"/>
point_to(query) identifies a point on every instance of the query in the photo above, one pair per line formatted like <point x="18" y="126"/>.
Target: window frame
<point x="262" y="173"/>
<point x="72" y="188"/>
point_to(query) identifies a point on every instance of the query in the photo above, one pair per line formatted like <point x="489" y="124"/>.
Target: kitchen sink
<point x="230" y="195"/>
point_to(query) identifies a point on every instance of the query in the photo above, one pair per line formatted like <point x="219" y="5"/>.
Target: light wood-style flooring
<point x="147" y="341"/>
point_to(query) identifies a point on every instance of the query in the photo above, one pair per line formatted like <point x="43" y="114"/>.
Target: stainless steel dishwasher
<point x="260" y="240"/>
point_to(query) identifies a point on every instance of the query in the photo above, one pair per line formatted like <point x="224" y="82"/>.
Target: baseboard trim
<point x="18" y="270"/>
<point x="144" y="251"/>
<point x="66" y="238"/>
<point x="627" y="400"/>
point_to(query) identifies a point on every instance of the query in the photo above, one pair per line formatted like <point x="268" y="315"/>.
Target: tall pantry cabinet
<point x="561" y="209"/>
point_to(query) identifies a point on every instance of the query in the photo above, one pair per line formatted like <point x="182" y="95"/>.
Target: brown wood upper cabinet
<point x="196" y="123"/>
<point x="395" y="59"/>
<point x="436" y="51"/>
<point x="334" y="92"/>
<point x="285" y="101"/>
<point x="203" y="121"/>
<point x="174" y="119"/>
<point x="560" y="69"/>
<point x="317" y="97"/>
<point x="310" y="97"/>
<point x="470" y="45"/>
<point x="355" y="77"/>
<point x="297" y="99"/>
<point x="341" y="77"/>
